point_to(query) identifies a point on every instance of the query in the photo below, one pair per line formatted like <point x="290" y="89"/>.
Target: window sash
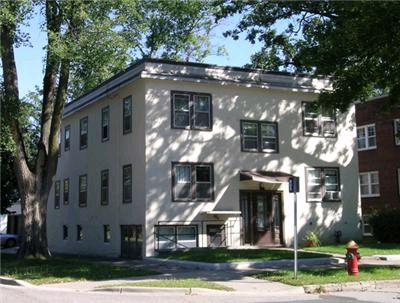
<point x="105" y="122"/>
<point x="259" y="136"/>
<point x="318" y="123"/>
<point x="67" y="137"/>
<point x="369" y="184"/>
<point x="127" y="115"/>
<point x="127" y="184"/>
<point x="83" y="133"/>
<point x="82" y="190"/>
<point x="366" y="137"/>
<point x="104" y="187"/>
<point x="396" y="128"/>
<point x="106" y="233"/>
<point x="192" y="182"/>
<point x="323" y="184"/>
<point x="66" y="191"/>
<point x="57" y="193"/>
<point x="191" y="111"/>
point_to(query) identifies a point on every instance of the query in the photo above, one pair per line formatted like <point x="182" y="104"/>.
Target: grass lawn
<point x="59" y="270"/>
<point x="320" y="276"/>
<point x="222" y="255"/>
<point x="368" y="247"/>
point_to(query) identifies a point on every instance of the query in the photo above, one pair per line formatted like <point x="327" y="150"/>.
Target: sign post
<point x="294" y="188"/>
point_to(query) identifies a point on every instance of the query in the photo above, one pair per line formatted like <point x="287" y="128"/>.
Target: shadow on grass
<point x="57" y="270"/>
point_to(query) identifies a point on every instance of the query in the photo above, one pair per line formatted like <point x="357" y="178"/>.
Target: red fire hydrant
<point x="352" y="257"/>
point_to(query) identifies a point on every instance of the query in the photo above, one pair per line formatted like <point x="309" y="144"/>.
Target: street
<point x="36" y="294"/>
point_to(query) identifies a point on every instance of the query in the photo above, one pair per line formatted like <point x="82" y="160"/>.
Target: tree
<point x="87" y="41"/>
<point x="356" y="43"/>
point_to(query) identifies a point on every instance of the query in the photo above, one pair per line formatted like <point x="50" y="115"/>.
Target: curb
<point x="351" y="286"/>
<point x="164" y="290"/>
<point x="13" y="282"/>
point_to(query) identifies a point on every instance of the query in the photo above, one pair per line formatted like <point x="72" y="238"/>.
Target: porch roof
<point x="265" y="176"/>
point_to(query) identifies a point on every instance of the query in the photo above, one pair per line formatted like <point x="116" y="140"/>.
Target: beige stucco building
<point x="169" y="155"/>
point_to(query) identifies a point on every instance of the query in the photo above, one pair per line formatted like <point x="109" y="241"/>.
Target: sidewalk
<point x="232" y="275"/>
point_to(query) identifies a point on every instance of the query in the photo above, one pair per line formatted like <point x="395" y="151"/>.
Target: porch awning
<point x="264" y="176"/>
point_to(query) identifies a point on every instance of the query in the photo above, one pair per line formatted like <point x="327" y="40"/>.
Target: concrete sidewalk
<point x="232" y="275"/>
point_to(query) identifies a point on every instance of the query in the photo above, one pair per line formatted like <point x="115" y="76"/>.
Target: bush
<point x="386" y="225"/>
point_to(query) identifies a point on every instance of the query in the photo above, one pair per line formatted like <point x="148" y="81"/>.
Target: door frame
<point x="248" y="207"/>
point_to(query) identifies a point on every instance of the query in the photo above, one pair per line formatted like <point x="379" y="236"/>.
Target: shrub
<point x="386" y="225"/>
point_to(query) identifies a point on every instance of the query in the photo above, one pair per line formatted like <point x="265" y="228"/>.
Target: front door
<point x="131" y="241"/>
<point x="261" y="211"/>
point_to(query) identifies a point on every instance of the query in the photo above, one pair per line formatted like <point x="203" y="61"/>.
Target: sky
<point x="29" y="60"/>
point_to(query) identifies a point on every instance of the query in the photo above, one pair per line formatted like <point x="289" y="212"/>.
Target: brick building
<point x="378" y="126"/>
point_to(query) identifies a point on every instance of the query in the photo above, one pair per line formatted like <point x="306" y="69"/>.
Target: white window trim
<point x="367" y="147"/>
<point x="396" y="129"/>
<point x="370" y="195"/>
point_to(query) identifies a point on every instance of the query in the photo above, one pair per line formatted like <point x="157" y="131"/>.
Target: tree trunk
<point x="34" y="213"/>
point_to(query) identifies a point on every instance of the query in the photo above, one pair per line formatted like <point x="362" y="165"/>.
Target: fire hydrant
<point x="352" y="257"/>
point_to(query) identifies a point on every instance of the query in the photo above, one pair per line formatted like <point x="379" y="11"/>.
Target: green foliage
<point x="357" y="43"/>
<point x="311" y="238"/>
<point x="386" y="225"/>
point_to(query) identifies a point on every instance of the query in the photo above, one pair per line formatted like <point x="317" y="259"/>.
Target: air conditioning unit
<point x="332" y="195"/>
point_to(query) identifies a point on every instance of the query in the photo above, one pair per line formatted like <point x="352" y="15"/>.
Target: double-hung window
<point x="83" y="133"/>
<point x="323" y="184"/>
<point x="82" y="190"/>
<point x="258" y="136"/>
<point x="67" y="137"/>
<point x="192" y="182"/>
<point x="127" y="184"/>
<point x="366" y="137"/>
<point x="318" y="122"/>
<point x="105" y="123"/>
<point x="57" y="192"/>
<point x="191" y="111"/>
<point x="127" y="115"/>
<point x="396" y="127"/>
<point x="369" y="184"/>
<point x="66" y="191"/>
<point x="104" y="187"/>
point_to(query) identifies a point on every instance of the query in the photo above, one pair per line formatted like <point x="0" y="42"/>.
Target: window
<point x="105" y="122"/>
<point x="191" y="111"/>
<point x="65" y="232"/>
<point x="366" y="137"/>
<point x="66" y="191"/>
<point x="323" y="184"/>
<point x="104" y="187"/>
<point x="67" y="137"/>
<point x="192" y="182"/>
<point x="369" y="184"/>
<point x="127" y="184"/>
<point x="259" y="136"/>
<point x="176" y="236"/>
<point x="366" y="227"/>
<point x="57" y="192"/>
<point x="83" y="133"/>
<point x="127" y="115"/>
<point x="79" y="233"/>
<point x="106" y="233"/>
<point x="398" y="180"/>
<point x="396" y="126"/>
<point x="82" y="190"/>
<point x="318" y="122"/>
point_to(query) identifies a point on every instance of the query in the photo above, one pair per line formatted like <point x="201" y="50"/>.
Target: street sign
<point x="294" y="185"/>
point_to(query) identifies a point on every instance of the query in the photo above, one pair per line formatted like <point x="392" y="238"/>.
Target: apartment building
<point x="168" y="155"/>
<point x="378" y="140"/>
